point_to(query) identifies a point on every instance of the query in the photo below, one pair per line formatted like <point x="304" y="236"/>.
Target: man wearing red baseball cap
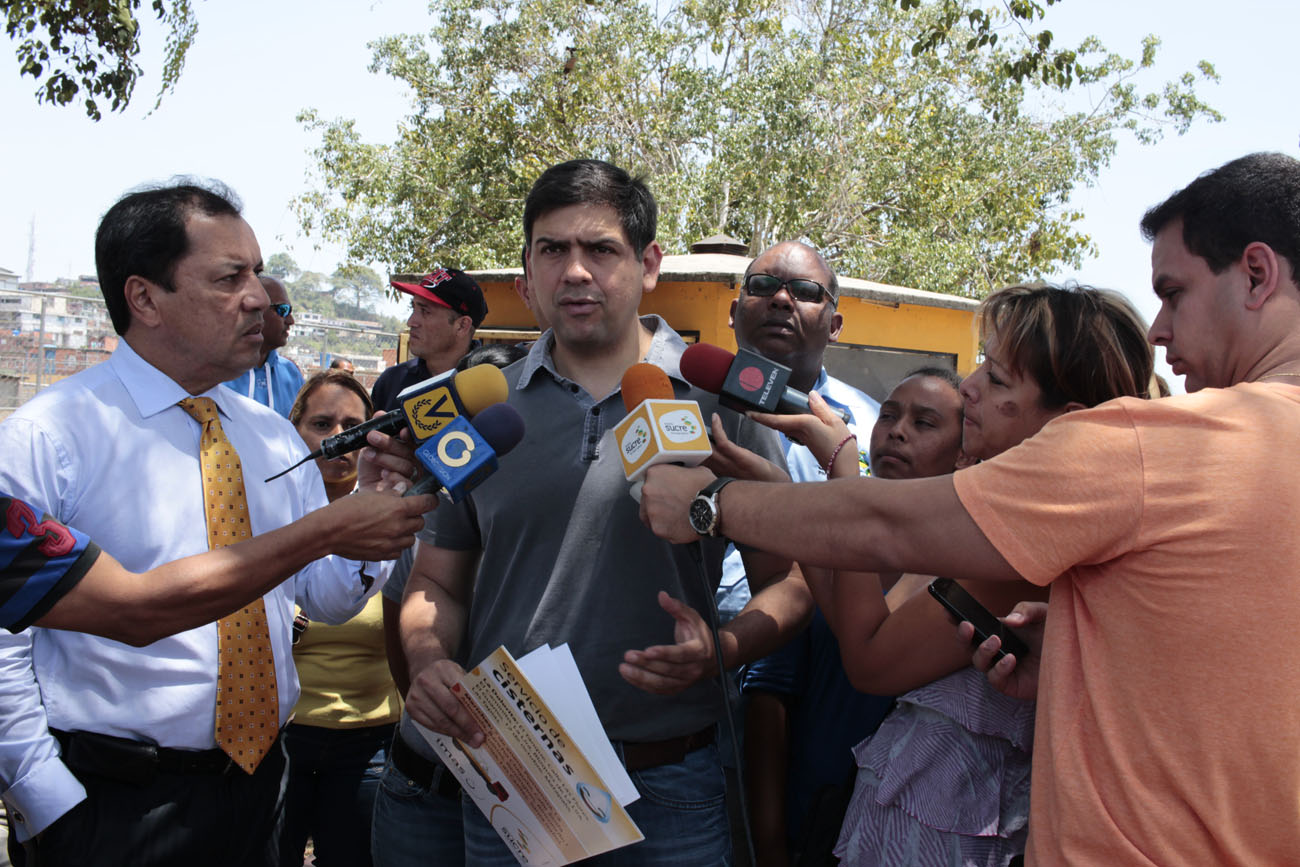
<point x="446" y="306"/>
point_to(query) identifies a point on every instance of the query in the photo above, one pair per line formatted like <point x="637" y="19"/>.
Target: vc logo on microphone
<point x="430" y="411"/>
<point x="455" y="448"/>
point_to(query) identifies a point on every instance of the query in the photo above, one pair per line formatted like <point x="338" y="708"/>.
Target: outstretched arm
<point x="878" y="525"/>
<point x="141" y="608"/>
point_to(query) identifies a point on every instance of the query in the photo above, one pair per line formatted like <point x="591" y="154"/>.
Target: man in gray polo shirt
<point x="551" y="549"/>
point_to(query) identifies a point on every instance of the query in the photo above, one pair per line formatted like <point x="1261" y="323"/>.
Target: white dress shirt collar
<point x="152" y="390"/>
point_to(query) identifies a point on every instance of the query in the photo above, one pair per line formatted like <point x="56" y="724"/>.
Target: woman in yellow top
<point x="343" y="723"/>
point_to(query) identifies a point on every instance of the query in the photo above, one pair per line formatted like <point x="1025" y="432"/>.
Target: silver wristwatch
<point x="705" y="516"/>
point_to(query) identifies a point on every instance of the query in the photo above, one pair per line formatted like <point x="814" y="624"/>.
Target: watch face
<point x="701" y="516"/>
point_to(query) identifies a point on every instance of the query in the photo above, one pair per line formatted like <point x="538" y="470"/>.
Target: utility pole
<point x="31" y="249"/>
<point x="40" y="348"/>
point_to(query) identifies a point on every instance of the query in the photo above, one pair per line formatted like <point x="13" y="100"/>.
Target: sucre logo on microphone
<point x="635" y="441"/>
<point x="679" y="426"/>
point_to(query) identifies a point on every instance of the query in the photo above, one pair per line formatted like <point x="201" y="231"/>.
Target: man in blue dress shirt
<point x="788" y="311"/>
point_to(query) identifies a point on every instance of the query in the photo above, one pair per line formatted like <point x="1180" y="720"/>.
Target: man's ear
<point x="731" y="314"/>
<point x="651" y="258"/>
<point x="141" y="300"/>
<point x="837" y="325"/>
<point x="464" y="325"/>
<point x="1263" y="270"/>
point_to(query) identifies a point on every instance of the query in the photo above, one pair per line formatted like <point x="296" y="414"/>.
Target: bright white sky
<point x="256" y="64"/>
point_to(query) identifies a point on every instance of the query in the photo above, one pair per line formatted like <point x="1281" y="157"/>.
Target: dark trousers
<point x="333" y="778"/>
<point x="226" y="819"/>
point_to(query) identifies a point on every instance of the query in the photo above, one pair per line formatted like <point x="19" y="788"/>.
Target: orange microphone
<point x="658" y="428"/>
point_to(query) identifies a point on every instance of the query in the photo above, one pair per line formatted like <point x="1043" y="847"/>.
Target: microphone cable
<point x="696" y="550"/>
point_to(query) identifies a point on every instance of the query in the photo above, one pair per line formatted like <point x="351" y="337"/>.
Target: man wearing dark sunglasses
<point x="275" y="381"/>
<point x="787" y="311"/>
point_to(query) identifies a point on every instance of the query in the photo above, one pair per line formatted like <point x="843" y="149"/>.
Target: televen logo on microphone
<point x="754" y="379"/>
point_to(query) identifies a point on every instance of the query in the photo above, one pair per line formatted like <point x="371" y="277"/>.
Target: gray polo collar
<point x="665" y="352"/>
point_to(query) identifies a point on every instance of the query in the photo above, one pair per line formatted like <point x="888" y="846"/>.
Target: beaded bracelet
<point x="835" y="454"/>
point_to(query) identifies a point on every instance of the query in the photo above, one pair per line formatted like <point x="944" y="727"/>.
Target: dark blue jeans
<point x="415" y="826"/>
<point x="682" y="811"/>
<point x="333" y="778"/>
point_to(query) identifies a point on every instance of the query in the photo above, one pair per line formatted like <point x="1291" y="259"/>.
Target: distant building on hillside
<point x="57" y="320"/>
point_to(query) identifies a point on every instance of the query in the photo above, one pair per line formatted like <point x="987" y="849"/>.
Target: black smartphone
<point x="964" y="606"/>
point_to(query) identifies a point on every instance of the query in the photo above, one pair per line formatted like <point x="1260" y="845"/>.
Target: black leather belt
<point x="136" y="761"/>
<point x="427" y="773"/>
<point x="652" y="754"/>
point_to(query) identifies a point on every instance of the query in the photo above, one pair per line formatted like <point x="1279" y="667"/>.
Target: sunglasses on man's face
<point x="765" y="286"/>
<point x="282" y="310"/>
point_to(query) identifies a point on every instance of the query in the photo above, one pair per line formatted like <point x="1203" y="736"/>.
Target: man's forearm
<point x="431" y="624"/>
<point x="775" y="614"/>
<point x="878" y="525"/>
<point x="189" y="592"/>
<point x="35" y="782"/>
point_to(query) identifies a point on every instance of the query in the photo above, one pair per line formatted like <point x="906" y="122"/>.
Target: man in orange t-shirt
<point x="1168" y="729"/>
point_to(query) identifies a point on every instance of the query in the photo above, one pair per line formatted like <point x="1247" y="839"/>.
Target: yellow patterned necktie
<point x="248" y="705"/>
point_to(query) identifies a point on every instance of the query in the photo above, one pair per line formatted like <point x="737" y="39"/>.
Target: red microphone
<point x="745" y="380"/>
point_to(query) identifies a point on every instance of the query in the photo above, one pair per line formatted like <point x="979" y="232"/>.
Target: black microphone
<point x="425" y="407"/>
<point x="745" y="380"/>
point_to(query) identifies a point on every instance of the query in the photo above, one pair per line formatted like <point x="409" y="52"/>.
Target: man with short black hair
<point x="170" y="754"/>
<point x="274" y="382"/>
<point x="447" y="305"/>
<point x="551" y="549"/>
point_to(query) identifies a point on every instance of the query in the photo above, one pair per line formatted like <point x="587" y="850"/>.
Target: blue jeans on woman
<point x="682" y="812"/>
<point x="333" y="778"/>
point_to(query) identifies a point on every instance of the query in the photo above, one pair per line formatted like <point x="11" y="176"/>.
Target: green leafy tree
<point x="1034" y="56"/>
<point x="359" y="281"/>
<point x="921" y="163"/>
<point x="282" y="265"/>
<point x="86" y="49"/>
<point x="311" y="281"/>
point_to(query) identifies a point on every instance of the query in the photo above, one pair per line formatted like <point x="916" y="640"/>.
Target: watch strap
<point x="710" y="492"/>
